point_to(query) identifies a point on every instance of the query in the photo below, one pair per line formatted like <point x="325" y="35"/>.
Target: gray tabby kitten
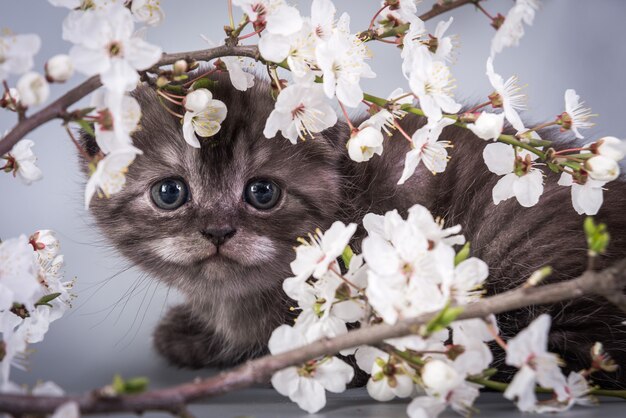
<point x="219" y="223"/>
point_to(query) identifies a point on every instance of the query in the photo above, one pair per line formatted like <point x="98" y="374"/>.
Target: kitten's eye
<point x="169" y="194"/>
<point x="262" y="194"/>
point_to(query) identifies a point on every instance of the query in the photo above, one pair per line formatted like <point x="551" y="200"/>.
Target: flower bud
<point x="197" y="100"/>
<point x="610" y="147"/>
<point x="440" y="376"/>
<point x="364" y="143"/>
<point x="488" y="126"/>
<point x="10" y="99"/>
<point x="602" y="168"/>
<point x="33" y="89"/>
<point x="180" y="67"/>
<point x="59" y="68"/>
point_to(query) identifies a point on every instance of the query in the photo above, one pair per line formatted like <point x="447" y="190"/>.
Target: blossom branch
<point x="58" y="108"/>
<point x="604" y="283"/>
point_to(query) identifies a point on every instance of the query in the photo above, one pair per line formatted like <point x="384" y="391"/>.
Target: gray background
<point x="574" y="44"/>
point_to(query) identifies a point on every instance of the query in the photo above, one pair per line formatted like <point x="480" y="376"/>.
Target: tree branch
<point x="605" y="283"/>
<point x="58" y="108"/>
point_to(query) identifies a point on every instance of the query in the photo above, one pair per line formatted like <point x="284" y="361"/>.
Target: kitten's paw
<point x="185" y="341"/>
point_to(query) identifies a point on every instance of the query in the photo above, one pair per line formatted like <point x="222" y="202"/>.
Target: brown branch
<point x="58" y="108"/>
<point x="604" y="283"/>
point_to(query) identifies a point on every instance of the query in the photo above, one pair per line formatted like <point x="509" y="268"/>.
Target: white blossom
<point x="389" y="378"/>
<point x="426" y="147"/>
<point x="445" y="46"/>
<point x="586" y="193"/>
<point x="512" y="29"/>
<point x="323" y="18"/>
<point x="431" y="81"/>
<point x="110" y="174"/>
<point x="602" y="168"/>
<point x="117" y="116"/>
<point x="45" y="243"/>
<point x="341" y="59"/>
<point x="488" y="126"/>
<point x="306" y="384"/>
<point x="197" y="100"/>
<point x="16" y="53"/>
<point x="611" y="147"/>
<point x="440" y="377"/>
<point x="577" y="389"/>
<point x="506" y="96"/>
<point x="19" y="273"/>
<point x="67" y="410"/>
<point x="205" y="122"/>
<point x="107" y="46"/>
<point x="528" y="352"/>
<point x="364" y="143"/>
<point x="22" y="162"/>
<point x="148" y="11"/>
<point x="33" y="89"/>
<point x="576" y="116"/>
<point x="301" y="110"/>
<point x="59" y="68"/>
<point x="274" y="15"/>
<point x="520" y="179"/>
<point x="403" y="10"/>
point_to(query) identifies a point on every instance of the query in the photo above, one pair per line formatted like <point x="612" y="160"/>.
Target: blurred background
<point x="576" y="44"/>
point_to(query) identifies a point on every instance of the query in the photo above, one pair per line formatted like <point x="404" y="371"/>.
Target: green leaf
<point x="45" y="300"/>
<point x="86" y="127"/>
<point x="444" y="318"/>
<point x="597" y="235"/>
<point x="130" y="386"/>
<point x="203" y="83"/>
<point x="554" y="167"/>
<point x="346" y="256"/>
<point x="462" y="255"/>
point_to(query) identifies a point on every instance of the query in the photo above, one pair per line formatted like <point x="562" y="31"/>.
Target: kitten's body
<point x="236" y="300"/>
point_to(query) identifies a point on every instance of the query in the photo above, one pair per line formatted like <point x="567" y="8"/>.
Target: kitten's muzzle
<point x="218" y="236"/>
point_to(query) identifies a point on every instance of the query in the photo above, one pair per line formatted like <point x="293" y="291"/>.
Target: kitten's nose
<point x="218" y="236"/>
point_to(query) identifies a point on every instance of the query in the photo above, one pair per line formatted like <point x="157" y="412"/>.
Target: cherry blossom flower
<point x="301" y="110"/>
<point x="21" y="161"/>
<point x="426" y="147"/>
<point x="528" y="352"/>
<point x="586" y="193"/>
<point x="108" y="47"/>
<point x="433" y="229"/>
<point x="364" y="143"/>
<point x="512" y="29"/>
<point x="240" y="79"/>
<point x="413" y="46"/>
<point x="506" y="96"/>
<point x="390" y="378"/>
<point x="45" y="243"/>
<point x="33" y="89"/>
<point x="306" y="384"/>
<point x="314" y="257"/>
<point x="577" y="389"/>
<point x="488" y="126"/>
<point x="117" y="117"/>
<point x="205" y="122"/>
<point x="342" y="61"/>
<point x="197" y="100"/>
<point x="520" y="179"/>
<point x="402" y="10"/>
<point x="67" y="410"/>
<point x="611" y="147"/>
<point x="431" y="81"/>
<point x="575" y="116"/>
<point x="147" y="11"/>
<point x="275" y="16"/>
<point x="298" y="49"/>
<point x="19" y="272"/>
<point x="59" y="68"/>
<point x="602" y="168"/>
<point x="323" y="18"/>
<point x="110" y="174"/>
<point x="16" y="53"/>
<point x="443" y="45"/>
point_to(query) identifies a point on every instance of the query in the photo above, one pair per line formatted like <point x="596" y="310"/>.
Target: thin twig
<point x="605" y="283"/>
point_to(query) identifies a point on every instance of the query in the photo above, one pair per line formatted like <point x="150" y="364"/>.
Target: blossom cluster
<point x="409" y="267"/>
<point x="105" y="43"/>
<point x="33" y="294"/>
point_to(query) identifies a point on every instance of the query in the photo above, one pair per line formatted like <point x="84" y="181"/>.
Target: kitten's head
<point x="227" y="215"/>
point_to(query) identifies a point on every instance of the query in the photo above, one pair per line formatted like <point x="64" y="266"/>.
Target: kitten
<point x="219" y="223"/>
